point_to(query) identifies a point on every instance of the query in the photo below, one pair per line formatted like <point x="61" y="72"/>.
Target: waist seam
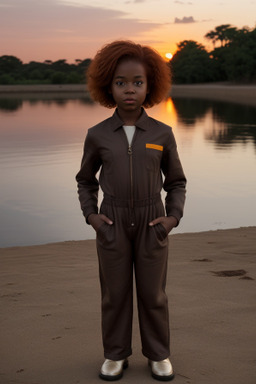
<point x="111" y="200"/>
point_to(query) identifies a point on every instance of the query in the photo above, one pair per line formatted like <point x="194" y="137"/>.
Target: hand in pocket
<point x="168" y="222"/>
<point x="96" y="220"/>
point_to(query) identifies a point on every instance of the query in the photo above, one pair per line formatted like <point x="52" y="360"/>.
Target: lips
<point x="129" y="101"/>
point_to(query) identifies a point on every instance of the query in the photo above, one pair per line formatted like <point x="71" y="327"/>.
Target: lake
<point x="41" y="143"/>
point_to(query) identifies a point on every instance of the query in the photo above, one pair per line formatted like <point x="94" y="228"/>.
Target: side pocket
<point x="160" y="232"/>
<point x="107" y="210"/>
<point x="104" y="234"/>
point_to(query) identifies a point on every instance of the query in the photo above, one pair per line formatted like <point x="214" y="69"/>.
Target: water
<point x="41" y="147"/>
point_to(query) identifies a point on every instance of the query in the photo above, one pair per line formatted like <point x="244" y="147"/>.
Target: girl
<point x="131" y="150"/>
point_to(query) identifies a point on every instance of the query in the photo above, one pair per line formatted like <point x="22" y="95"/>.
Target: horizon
<point x="34" y="30"/>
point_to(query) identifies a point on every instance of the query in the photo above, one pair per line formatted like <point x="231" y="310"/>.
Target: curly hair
<point x="102" y="68"/>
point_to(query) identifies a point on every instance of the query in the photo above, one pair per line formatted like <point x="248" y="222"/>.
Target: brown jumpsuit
<point x="131" y="180"/>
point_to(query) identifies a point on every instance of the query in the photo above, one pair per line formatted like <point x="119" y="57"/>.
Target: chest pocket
<point x="154" y="154"/>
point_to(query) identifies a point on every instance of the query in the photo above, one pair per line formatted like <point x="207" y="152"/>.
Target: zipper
<point x="131" y="174"/>
<point x="131" y="178"/>
<point x="131" y="185"/>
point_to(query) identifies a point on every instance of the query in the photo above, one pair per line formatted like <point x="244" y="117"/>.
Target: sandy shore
<point x="44" y="92"/>
<point x="42" y="88"/>
<point x="50" y="312"/>
<point x="242" y="94"/>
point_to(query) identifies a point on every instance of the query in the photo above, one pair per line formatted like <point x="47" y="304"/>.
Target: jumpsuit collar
<point x="116" y="122"/>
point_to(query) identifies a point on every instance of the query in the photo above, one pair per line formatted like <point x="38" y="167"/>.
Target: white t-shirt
<point x="129" y="130"/>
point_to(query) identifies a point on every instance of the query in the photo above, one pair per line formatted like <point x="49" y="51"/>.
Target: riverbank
<point x="50" y="312"/>
<point x="44" y="91"/>
<point x="243" y="94"/>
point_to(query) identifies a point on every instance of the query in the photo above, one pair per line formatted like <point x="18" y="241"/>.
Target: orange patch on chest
<point x="155" y="146"/>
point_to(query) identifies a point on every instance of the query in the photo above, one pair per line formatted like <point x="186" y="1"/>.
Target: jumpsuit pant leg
<point x="116" y="279"/>
<point x="120" y="247"/>
<point x="151" y="258"/>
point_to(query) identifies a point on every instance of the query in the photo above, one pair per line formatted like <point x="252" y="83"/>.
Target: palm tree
<point x="224" y="33"/>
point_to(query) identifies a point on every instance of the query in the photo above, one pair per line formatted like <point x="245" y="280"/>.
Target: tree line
<point x="13" y="71"/>
<point x="233" y="58"/>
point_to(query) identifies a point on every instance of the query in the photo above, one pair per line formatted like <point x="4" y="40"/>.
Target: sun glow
<point x="168" y="55"/>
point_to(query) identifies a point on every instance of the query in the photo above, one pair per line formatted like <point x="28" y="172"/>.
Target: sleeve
<point x="175" y="180"/>
<point x="87" y="183"/>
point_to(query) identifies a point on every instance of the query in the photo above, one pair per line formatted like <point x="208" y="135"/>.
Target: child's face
<point x="129" y="85"/>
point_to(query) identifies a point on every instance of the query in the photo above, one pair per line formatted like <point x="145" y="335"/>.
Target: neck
<point x="129" y="118"/>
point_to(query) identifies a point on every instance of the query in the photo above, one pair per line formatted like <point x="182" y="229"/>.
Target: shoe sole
<point x="116" y="377"/>
<point x="163" y="378"/>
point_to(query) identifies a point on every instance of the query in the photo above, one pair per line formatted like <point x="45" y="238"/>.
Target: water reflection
<point x="238" y="121"/>
<point x="12" y="104"/>
<point x="40" y="152"/>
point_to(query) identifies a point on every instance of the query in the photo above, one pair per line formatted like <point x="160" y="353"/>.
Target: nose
<point x="130" y="88"/>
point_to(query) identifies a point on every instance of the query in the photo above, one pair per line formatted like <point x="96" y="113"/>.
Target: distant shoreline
<point x="242" y="94"/>
<point x="43" y="88"/>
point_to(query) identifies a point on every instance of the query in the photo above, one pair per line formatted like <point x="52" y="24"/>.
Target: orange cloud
<point x="49" y="29"/>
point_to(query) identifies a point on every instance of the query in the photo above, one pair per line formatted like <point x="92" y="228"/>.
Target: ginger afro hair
<point x="102" y="68"/>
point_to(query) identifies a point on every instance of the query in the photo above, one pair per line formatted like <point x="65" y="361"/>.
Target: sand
<point x="242" y="94"/>
<point x="50" y="312"/>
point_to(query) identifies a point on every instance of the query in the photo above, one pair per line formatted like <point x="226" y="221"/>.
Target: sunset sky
<point x="38" y="30"/>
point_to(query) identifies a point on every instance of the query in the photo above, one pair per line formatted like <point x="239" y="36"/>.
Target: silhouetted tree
<point x="233" y="60"/>
<point x="223" y="33"/>
<point x="48" y="62"/>
<point x="9" y="64"/>
<point x="191" y="63"/>
<point x="237" y="60"/>
<point x="13" y="71"/>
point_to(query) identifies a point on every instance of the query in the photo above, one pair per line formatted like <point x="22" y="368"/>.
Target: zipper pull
<point x="129" y="150"/>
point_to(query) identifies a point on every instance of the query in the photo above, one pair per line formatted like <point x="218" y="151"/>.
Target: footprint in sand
<point x="231" y="273"/>
<point x="56" y="338"/>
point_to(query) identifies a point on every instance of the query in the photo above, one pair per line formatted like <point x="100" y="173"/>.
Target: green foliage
<point x="6" y="79"/>
<point x="223" y="33"/>
<point x="13" y="71"/>
<point x="191" y="63"/>
<point x="58" y="78"/>
<point x="234" y="60"/>
<point x="10" y="64"/>
<point x="74" y="78"/>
